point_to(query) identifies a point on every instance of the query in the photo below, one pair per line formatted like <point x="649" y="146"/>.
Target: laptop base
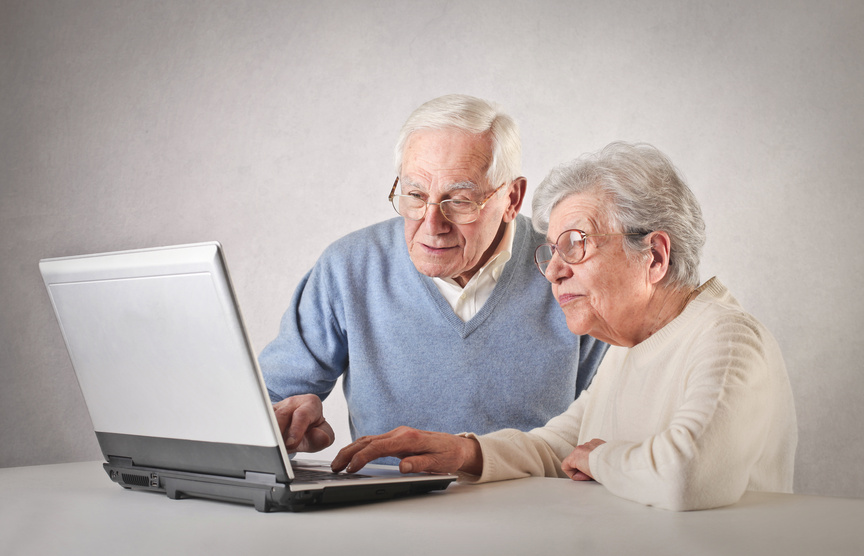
<point x="260" y="490"/>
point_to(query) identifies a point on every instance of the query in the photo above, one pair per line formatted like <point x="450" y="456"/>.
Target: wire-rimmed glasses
<point x="457" y="211"/>
<point x="570" y="246"/>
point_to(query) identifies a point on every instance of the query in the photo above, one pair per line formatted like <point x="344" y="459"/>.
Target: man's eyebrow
<point x="410" y="183"/>
<point x="462" y="185"/>
<point x="459" y="185"/>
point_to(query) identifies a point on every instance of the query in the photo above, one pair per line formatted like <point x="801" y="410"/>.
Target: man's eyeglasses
<point x="570" y="247"/>
<point x="457" y="211"/>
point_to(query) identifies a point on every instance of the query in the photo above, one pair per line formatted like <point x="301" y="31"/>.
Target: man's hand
<point x="576" y="464"/>
<point x="419" y="450"/>
<point x="301" y="420"/>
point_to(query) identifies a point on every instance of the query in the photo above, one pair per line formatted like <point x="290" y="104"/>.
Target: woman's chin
<point x="578" y="327"/>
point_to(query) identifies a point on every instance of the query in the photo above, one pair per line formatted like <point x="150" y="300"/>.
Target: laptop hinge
<point x="120" y="461"/>
<point x="261" y="478"/>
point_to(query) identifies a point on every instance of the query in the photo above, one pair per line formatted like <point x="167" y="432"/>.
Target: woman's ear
<point x="660" y="246"/>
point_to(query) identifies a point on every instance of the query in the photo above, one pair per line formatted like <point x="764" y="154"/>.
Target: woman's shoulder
<point x="719" y="307"/>
<point x="723" y="321"/>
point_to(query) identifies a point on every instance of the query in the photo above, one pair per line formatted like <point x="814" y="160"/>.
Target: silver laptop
<point x="173" y="387"/>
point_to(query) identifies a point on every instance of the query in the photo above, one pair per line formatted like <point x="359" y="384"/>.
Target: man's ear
<point x="660" y="247"/>
<point x="515" y="196"/>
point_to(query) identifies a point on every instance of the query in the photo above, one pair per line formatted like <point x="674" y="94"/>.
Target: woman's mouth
<point x="566" y="298"/>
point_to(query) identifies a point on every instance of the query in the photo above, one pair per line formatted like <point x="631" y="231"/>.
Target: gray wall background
<point x="269" y="126"/>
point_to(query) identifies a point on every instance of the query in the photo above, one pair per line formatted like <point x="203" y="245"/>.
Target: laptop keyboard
<point x="303" y="474"/>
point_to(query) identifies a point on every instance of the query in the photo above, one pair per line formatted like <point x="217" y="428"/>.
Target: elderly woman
<point x="691" y="405"/>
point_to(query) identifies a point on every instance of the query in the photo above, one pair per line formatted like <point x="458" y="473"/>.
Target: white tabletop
<point x="75" y="509"/>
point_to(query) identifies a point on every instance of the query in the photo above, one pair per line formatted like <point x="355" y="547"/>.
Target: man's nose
<point x="434" y="220"/>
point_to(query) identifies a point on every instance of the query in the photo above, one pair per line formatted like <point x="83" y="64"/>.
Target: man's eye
<point x="416" y="195"/>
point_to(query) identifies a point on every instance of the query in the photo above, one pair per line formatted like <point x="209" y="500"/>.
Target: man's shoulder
<point x="525" y="228"/>
<point x="376" y="248"/>
<point x="380" y="236"/>
<point x="525" y="241"/>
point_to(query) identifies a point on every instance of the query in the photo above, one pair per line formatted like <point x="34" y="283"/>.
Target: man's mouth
<point x="434" y="249"/>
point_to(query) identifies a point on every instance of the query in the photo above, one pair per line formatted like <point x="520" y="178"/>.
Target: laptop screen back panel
<point x="161" y="328"/>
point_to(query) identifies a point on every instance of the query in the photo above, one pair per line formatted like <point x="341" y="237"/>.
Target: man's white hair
<point x="475" y="116"/>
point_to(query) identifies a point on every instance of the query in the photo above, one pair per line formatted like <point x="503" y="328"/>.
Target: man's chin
<point x="432" y="269"/>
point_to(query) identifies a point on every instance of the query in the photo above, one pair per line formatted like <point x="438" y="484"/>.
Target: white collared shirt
<point x="467" y="302"/>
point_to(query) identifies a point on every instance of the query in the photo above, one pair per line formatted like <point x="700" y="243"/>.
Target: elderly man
<point x="437" y="319"/>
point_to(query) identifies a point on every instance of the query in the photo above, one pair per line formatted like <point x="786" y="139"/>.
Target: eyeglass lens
<point x="570" y="247"/>
<point x="409" y="206"/>
<point x="455" y="210"/>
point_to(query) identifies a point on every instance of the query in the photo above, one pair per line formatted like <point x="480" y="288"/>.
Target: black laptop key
<point x="317" y="475"/>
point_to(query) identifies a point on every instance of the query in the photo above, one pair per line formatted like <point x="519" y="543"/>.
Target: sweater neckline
<point x="465" y="328"/>
<point x="710" y="289"/>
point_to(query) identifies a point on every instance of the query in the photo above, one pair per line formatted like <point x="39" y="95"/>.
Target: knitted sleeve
<point x="513" y="454"/>
<point x="310" y="352"/>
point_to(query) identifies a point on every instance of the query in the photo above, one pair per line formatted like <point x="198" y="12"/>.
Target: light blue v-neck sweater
<point x="365" y="312"/>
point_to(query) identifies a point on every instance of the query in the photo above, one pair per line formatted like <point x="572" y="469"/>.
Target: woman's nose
<point x="557" y="269"/>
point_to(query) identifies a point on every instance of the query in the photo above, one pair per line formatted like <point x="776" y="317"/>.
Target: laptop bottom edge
<point x="260" y="490"/>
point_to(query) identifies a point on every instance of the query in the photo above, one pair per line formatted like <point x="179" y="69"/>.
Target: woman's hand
<point x="419" y="451"/>
<point x="576" y="464"/>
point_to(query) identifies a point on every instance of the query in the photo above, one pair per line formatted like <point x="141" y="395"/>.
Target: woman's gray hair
<point x="475" y="116"/>
<point x="645" y="193"/>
